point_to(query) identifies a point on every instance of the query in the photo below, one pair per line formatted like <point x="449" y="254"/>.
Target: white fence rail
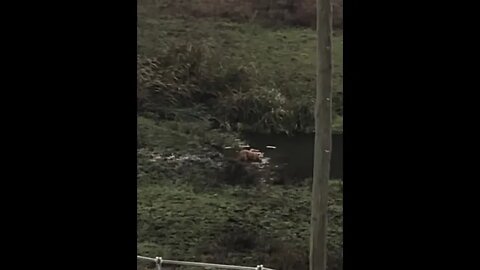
<point x="159" y="262"/>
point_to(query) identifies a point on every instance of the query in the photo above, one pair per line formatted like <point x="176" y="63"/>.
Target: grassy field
<point x="271" y="13"/>
<point x="286" y="51"/>
<point x="193" y="203"/>
<point x="193" y="212"/>
<point x="276" y="62"/>
<point x="233" y="225"/>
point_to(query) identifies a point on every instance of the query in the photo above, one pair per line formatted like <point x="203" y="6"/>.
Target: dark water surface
<point x="294" y="154"/>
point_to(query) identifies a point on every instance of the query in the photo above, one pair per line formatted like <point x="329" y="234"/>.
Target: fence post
<point x="158" y="262"/>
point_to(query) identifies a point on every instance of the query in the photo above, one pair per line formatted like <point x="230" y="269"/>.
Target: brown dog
<point x="252" y="155"/>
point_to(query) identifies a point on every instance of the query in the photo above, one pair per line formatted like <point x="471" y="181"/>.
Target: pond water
<point x="294" y="154"/>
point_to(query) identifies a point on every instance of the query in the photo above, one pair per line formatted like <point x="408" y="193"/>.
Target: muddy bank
<point x="284" y="160"/>
<point x="226" y="169"/>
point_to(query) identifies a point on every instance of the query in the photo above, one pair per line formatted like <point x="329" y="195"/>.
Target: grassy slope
<point x="180" y="219"/>
<point x="176" y="222"/>
<point x="286" y="50"/>
<point x="283" y="58"/>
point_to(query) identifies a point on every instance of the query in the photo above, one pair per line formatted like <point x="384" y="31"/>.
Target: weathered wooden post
<point x="323" y="138"/>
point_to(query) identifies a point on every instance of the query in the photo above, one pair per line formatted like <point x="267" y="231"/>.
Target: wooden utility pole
<point x="323" y="138"/>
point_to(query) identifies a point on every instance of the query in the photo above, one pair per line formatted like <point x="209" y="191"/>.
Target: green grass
<point x="176" y="222"/>
<point x="180" y="217"/>
<point x="195" y="212"/>
<point x="176" y="136"/>
<point x="286" y="51"/>
<point x="280" y="59"/>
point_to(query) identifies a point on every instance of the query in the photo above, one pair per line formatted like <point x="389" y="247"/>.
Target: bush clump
<point x="187" y="76"/>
